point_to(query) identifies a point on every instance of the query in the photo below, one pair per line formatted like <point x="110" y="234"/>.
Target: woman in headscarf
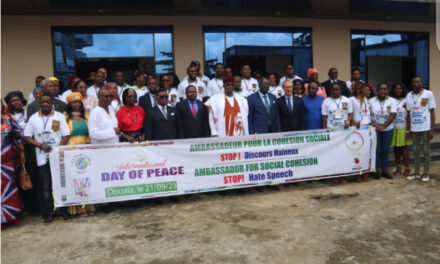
<point x="12" y="158"/>
<point x="76" y="117"/>
<point x="89" y="101"/>
<point x="313" y="77"/>
<point x="15" y="102"/>
<point x="113" y="90"/>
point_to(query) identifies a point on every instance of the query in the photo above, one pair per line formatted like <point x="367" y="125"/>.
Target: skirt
<point x="399" y="138"/>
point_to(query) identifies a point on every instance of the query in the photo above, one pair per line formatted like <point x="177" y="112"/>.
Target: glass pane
<point x="214" y="50"/>
<point x="163" y="53"/>
<point x="303" y="39"/>
<point x="302" y="58"/>
<point x="113" y="45"/>
<point x="258" y="39"/>
<point x="64" y="57"/>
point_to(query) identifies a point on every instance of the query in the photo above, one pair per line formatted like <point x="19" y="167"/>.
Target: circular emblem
<point x="81" y="163"/>
<point x="354" y="141"/>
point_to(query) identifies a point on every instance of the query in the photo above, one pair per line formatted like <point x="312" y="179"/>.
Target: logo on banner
<point x="354" y="141"/>
<point x="81" y="162"/>
<point x="357" y="160"/>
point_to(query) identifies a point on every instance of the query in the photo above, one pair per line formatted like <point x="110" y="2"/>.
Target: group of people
<point x="108" y="112"/>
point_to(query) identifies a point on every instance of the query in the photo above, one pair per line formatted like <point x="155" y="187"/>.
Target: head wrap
<point x="55" y="79"/>
<point x="110" y="84"/>
<point x="228" y="79"/>
<point x="311" y="71"/>
<point x="369" y="85"/>
<point x="73" y="97"/>
<point x="38" y="88"/>
<point x="13" y="94"/>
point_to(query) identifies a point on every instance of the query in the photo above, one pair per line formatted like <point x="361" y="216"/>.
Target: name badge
<point x="381" y="120"/>
<point x="365" y="120"/>
<point x="338" y="114"/>
<point x="47" y="138"/>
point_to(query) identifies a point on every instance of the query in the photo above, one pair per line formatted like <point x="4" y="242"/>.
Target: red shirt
<point x="131" y="120"/>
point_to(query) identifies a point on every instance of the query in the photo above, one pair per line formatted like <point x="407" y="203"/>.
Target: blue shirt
<point x="195" y="104"/>
<point x="313" y="111"/>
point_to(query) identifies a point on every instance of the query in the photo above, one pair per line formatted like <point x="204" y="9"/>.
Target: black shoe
<point x="386" y="175"/>
<point x="64" y="215"/>
<point x="274" y="187"/>
<point x="48" y="218"/>
<point x="259" y="189"/>
<point x="375" y="175"/>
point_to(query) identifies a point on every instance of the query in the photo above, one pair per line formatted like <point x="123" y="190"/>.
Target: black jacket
<point x="194" y="127"/>
<point x="157" y="127"/>
<point x="145" y="102"/>
<point x="292" y="121"/>
<point x="344" y="90"/>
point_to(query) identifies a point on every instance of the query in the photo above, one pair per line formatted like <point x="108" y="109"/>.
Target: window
<point x="81" y="50"/>
<point x="266" y="49"/>
<point x="390" y="56"/>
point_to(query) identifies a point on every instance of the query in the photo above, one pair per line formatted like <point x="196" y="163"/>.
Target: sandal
<point x="398" y="171"/>
<point x="406" y="172"/>
<point x="365" y="178"/>
<point x="81" y="215"/>
<point x="358" y="179"/>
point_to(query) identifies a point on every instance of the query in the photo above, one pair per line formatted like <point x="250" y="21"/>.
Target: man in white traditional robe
<point x="228" y="112"/>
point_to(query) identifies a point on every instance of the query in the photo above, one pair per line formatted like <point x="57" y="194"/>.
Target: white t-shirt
<point x="200" y="87"/>
<point x="336" y="110"/>
<point x="419" y="106"/>
<point x="295" y="77"/>
<point x="47" y="130"/>
<point x="400" y="120"/>
<point x="363" y="114"/>
<point x="102" y="126"/>
<point x="381" y="111"/>
<point x="64" y="95"/>
<point x="204" y="79"/>
<point x="349" y="83"/>
<point x="215" y="86"/>
<point x="93" y="91"/>
<point x="249" y="86"/>
<point x="173" y="97"/>
<point x="276" y="90"/>
<point x="121" y="89"/>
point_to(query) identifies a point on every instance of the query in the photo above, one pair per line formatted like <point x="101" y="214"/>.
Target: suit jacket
<point x="34" y="107"/>
<point x="344" y="90"/>
<point x="292" y="121"/>
<point x="193" y="127"/>
<point x="157" y="127"/>
<point x="145" y="102"/>
<point x="258" y="118"/>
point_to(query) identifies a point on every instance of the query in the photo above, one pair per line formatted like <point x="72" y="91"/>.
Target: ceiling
<point x="381" y="10"/>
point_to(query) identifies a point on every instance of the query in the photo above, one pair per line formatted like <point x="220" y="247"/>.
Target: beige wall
<point x="27" y="49"/>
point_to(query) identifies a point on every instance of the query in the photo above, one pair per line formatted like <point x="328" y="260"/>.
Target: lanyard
<point x="337" y="104"/>
<point x="418" y="97"/>
<point x="381" y="104"/>
<point x="245" y="83"/>
<point x="220" y="87"/>
<point x="45" y="122"/>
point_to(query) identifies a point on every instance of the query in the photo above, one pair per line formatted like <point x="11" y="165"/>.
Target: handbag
<point x="25" y="179"/>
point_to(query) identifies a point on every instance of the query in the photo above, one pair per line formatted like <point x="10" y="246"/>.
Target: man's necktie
<point x="289" y="104"/>
<point x="266" y="104"/>
<point x="194" y="111"/>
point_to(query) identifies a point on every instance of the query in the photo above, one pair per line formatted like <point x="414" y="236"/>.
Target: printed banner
<point x="108" y="173"/>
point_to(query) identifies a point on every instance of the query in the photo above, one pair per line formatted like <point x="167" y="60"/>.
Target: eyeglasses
<point x="163" y="97"/>
<point x="229" y="84"/>
<point x="108" y="96"/>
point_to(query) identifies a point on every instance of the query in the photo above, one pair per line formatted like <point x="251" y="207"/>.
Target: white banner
<point x="108" y="173"/>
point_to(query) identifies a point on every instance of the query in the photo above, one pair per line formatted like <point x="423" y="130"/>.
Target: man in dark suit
<point x="263" y="114"/>
<point x="162" y="121"/>
<point x="48" y="87"/>
<point x="194" y="116"/>
<point x="291" y="108"/>
<point x="148" y="100"/>
<point x="333" y="78"/>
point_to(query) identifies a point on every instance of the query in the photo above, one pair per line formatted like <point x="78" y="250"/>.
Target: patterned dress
<point x="11" y="137"/>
